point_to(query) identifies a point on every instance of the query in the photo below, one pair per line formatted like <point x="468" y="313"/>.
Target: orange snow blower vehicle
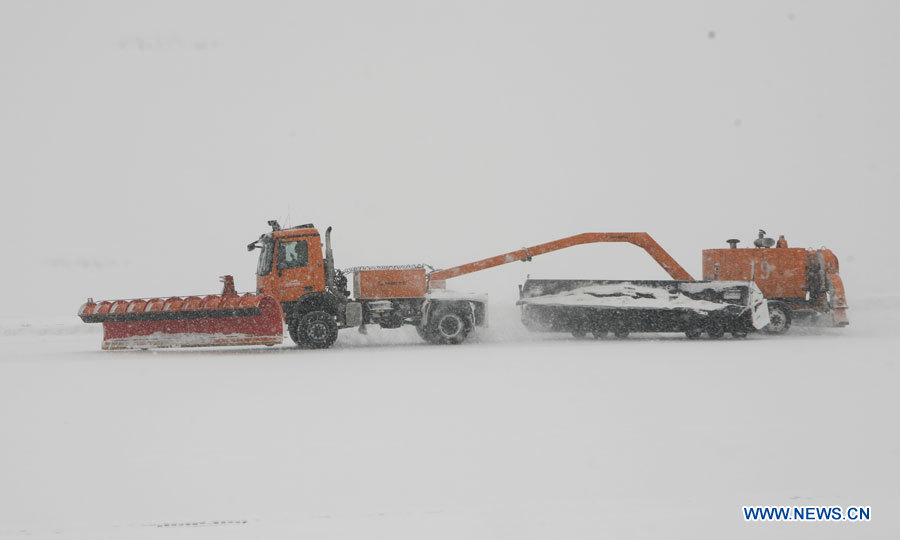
<point x="799" y="284"/>
<point x="298" y="285"/>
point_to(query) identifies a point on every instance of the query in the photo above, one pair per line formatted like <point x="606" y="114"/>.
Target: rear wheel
<point x="316" y="330"/>
<point x="447" y="326"/>
<point x="739" y="334"/>
<point x="579" y="333"/>
<point x="621" y="333"/>
<point x="779" y="318"/>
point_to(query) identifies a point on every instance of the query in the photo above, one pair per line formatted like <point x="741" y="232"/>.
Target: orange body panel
<point x="405" y="283"/>
<point x="779" y="272"/>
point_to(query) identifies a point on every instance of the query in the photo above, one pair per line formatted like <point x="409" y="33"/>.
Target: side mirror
<point x="251" y="246"/>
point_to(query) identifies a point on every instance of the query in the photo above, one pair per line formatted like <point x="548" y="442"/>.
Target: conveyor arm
<point x="640" y="239"/>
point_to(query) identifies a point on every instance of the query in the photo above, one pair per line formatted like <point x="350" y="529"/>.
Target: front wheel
<point x="315" y="330"/>
<point x="779" y="319"/>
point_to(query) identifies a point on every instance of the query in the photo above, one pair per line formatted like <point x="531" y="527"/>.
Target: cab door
<point x="298" y="267"/>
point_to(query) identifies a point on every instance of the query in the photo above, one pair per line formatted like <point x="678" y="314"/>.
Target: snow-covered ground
<point x="514" y="435"/>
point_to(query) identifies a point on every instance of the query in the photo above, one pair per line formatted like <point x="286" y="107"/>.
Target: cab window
<point x="292" y="254"/>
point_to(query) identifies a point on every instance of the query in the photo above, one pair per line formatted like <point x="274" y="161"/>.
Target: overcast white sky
<point x="144" y="144"/>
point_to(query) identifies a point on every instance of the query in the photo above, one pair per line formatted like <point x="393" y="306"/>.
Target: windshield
<point x="265" y="259"/>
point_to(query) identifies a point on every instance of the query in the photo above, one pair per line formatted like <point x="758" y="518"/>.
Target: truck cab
<point x="290" y="264"/>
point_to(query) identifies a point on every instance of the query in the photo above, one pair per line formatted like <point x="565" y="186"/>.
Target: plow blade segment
<point x="193" y="321"/>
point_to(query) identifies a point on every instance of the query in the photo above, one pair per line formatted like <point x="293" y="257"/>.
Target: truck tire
<point x="693" y="332"/>
<point x="447" y="326"/>
<point x="779" y="318"/>
<point x="316" y="330"/>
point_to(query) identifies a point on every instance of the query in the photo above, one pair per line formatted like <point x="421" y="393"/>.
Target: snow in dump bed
<point x="626" y="296"/>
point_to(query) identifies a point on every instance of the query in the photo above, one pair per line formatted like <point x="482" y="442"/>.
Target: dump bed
<point x="641" y="306"/>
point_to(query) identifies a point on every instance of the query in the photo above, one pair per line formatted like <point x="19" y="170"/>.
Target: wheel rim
<point x="450" y="326"/>
<point x="317" y="331"/>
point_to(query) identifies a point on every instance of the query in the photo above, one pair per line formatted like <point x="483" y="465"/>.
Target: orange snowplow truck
<point x="799" y="284"/>
<point x="297" y="284"/>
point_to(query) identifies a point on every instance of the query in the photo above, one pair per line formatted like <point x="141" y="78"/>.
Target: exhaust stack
<point x="329" y="261"/>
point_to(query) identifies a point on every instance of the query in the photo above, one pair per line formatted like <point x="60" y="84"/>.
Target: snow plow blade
<point x="192" y="321"/>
